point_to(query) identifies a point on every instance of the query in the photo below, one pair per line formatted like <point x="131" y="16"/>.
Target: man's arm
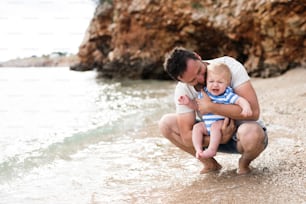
<point x="245" y="90"/>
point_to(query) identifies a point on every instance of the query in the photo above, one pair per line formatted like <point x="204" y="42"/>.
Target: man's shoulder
<point x="231" y="62"/>
<point x="182" y="85"/>
<point x="223" y="59"/>
<point x="185" y="89"/>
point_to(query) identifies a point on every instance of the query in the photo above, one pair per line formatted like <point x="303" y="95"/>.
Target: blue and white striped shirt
<point x="228" y="97"/>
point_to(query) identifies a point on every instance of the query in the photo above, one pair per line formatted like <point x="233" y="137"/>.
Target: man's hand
<point x="204" y="103"/>
<point x="228" y="129"/>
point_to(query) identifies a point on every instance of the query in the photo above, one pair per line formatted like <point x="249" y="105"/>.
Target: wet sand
<point x="278" y="174"/>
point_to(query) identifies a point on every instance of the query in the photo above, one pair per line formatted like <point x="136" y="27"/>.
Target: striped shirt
<point x="228" y="97"/>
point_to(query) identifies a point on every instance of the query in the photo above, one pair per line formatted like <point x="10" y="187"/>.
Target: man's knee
<point x="250" y="136"/>
<point x="164" y="124"/>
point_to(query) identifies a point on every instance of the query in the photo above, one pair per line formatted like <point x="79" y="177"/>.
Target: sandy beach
<point x="88" y="158"/>
<point x="278" y="175"/>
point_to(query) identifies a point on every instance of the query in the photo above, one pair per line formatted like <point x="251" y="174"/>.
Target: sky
<point x="37" y="27"/>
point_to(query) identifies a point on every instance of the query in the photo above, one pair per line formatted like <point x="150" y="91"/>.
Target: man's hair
<point x="176" y="61"/>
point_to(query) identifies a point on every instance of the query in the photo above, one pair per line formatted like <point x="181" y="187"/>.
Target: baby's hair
<point x="220" y="68"/>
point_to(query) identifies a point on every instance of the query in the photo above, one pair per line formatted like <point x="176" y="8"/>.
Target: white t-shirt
<point x="239" y="76"/>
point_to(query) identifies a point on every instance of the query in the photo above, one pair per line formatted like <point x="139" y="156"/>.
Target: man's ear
<point x="198" y="56"/>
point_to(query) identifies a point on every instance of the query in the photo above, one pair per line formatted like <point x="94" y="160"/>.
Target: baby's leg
<point x="198" y="133"/>
<point x="215" y="138"/>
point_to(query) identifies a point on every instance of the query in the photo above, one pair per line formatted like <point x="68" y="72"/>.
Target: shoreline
<point x="52" y="60"/>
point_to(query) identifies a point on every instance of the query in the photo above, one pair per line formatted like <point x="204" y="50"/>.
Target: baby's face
<point x="216" y="83"/>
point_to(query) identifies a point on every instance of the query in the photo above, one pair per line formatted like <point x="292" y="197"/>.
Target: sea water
<point x="70" y="137"/>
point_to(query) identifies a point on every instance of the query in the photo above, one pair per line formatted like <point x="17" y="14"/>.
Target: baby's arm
<point x="245" y="105"/>
<point x="185" y="100"/>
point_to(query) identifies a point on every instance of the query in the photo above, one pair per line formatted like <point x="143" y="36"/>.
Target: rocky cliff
<point x="128" y="39"/>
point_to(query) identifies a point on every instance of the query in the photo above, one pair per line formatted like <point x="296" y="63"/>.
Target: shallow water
<point x="68" y="137"/>
<point x="64" y="133"/>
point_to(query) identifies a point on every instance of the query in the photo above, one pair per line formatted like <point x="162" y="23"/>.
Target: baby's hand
<point x="183" y="100"/>
<point x="246" y="112"/>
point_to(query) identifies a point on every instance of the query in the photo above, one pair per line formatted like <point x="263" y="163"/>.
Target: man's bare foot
<point x="243" y="171"/>
<point x="210" y="165"/>
<point x="243" y="166"/>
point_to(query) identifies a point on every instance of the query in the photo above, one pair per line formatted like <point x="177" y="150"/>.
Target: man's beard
<point x="200" y="86"/>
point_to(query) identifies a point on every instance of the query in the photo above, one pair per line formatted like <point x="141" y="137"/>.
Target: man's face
<point x="195" y="73"/>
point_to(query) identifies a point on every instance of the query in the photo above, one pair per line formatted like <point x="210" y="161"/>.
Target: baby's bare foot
<point x="208" y="153"/>
<point x="199" y="154"/>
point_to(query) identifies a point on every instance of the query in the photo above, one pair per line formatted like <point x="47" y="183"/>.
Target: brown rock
<point x="128" y="39"/>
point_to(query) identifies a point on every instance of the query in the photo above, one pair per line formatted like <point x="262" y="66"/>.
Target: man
<point x="249" y="138"/>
